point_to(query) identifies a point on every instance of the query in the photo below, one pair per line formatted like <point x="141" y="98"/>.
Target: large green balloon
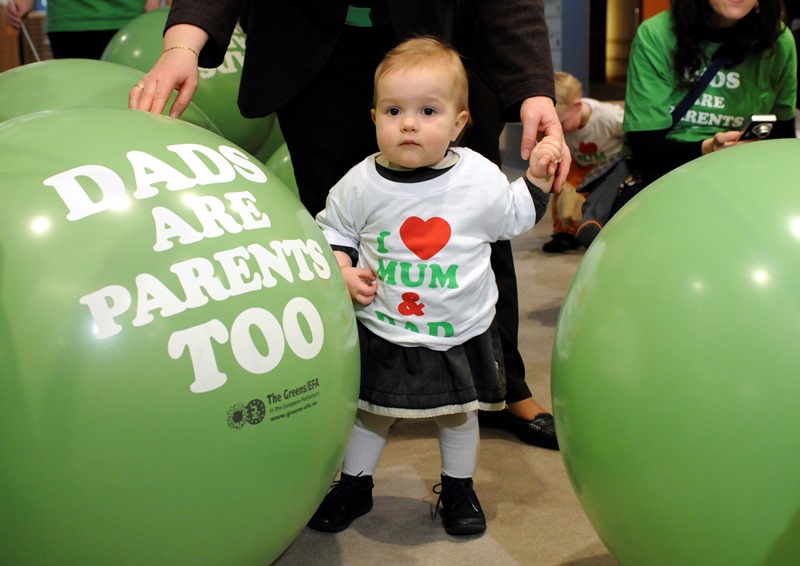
<point x="138" y="44"/>
<point x="675" y="368"/>
<point x="69" y="83"/>
<point x="178" y="352"/>
<point x="281" y="164"/>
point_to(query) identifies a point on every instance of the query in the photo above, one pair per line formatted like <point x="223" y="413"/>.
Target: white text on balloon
<point x="78" y="185"/>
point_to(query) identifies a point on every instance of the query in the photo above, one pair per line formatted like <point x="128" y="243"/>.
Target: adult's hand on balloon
<point x="538" y="116"/>
<point x="16" y="10"/>
<point x="176" y="69"/>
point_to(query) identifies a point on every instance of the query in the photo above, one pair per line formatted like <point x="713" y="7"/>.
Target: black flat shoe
<point x="460" y="509"/>
<point x="539" y="431"/>
<point x="348" y="499"/>
<point x="561" y="242"/>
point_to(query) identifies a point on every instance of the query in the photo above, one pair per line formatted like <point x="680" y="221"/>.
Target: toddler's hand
<point x="361" y="284"/>
<point x="544" y="162"/>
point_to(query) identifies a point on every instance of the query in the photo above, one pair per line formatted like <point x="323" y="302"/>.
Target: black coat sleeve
<point x="217" y="18"/>
<point x="509" y="43"/>
<point x="656" y="155"/>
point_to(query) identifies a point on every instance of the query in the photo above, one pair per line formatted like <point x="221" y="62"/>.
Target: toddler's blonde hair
<point x="568" y="89"/>
<point x="427" y="53"/>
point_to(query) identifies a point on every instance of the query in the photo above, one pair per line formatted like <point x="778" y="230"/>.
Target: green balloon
<point x="138" y="44"/>
<point x="69" y="83"/>
<point x="675" y="370"/>
<point x="281" y="165"/>
<point x="178" y="353"/>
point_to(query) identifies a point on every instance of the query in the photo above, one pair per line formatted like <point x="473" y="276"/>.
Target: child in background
<point x="593" y="132"/>
<point x="410" y="227"/>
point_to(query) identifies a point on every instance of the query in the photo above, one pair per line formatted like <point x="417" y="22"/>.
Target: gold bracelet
<point x="181" y="47"/>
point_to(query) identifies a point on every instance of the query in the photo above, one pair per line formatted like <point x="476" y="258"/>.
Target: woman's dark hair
<point x="755" y="33"/>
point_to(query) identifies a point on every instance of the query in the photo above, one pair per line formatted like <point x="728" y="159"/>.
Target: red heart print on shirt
<point x="587" y="147"/>
<point x="425" y="237"/>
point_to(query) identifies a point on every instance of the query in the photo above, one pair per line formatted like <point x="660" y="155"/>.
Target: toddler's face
<point x="416" y="117"/>
<point x="570" y="117"/>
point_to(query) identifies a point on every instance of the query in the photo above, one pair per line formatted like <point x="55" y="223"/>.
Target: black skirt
<point x="416" y="382"/>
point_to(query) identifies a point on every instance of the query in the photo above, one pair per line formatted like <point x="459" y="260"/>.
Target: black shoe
<point x="348" y="499"/>
<point x="461" y="510"/>
<point x="539" y="431"/>
<point x="561" y="242"/>
<point x="587" y="232"/>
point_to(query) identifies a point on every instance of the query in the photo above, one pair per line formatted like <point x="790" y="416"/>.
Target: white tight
<point x="458" y="443"/>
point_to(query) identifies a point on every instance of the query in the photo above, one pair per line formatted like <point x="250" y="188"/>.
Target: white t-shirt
<point x="429" y="244"/>
<point x="601" y="137"/>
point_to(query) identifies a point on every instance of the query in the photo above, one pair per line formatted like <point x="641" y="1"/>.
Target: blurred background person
<point x="81" y="29"/>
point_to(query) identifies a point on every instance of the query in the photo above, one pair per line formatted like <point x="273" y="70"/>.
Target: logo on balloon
<point x="279" y="405"/>
<point x="252" y="413"/>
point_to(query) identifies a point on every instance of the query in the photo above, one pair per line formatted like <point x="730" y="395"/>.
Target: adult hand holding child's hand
<point x="543" y="163"/>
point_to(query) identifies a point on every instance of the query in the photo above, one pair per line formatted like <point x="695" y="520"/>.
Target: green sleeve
<point x="785" y="85"/>
<point x="651" y="87"/>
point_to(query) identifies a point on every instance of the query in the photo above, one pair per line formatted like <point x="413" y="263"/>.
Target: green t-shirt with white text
<point x="763" y="84"/>
<point x="86" y="15"/>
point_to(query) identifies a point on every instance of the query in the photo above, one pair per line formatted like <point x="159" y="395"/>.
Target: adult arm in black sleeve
<point x="218" y="19"/>
<point x="656" y="155"/>
<point x="513" y="51"/>
<point x="783" y="129"/>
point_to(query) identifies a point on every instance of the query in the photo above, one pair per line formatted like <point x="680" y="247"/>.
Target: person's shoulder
<point x="472" y="157"/>
<point x="474" y="162"/>
<point x="786" y="40"/>
<point x="607" y="117"/>
<point x="658" y="21"/>
<point x="610" y="108"/>
<point x="654" y="41"/>
<point x="464" y="152"/>
<point x="358" y="174"/>
<point x="363" y="167"/>
<point x="656" y="28"/>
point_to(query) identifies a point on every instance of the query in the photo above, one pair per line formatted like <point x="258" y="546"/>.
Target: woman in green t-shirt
<point x="671" y="50"/>
<point x="81" y="28"/>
